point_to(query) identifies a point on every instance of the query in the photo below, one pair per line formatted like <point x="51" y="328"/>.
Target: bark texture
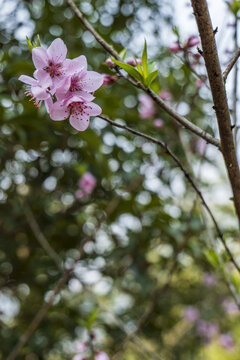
<point x="207" y="35"/>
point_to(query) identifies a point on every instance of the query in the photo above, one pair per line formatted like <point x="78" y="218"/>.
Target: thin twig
<point x="177" y="117"/>
<point x="41" y="237"/>
<point x="231" y="65"/>
<point x="186" y="174"/>
<point x="68" y="273"/>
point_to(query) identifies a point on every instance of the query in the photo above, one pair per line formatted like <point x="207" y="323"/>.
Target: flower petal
<point x="39" y="93"/>
<point x="92" y="81"/>
<point x="44" y="78"/>
<point x="39" y="57"/>
<point x="57" y="51"/>
<point x="48" y="104"/>
<point x="73" y="66"/>
<point x="79" y="120"/>
<point x="94" y="109"/>
<point x="82" y="62"/>
<point x="27" y="80"/>
<point x="63" y="88"/>
<point x="59" y="111"/>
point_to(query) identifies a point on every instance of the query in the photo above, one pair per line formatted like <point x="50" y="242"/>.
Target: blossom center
<point x="76" y="84"/>
<point x="54" y="69"/>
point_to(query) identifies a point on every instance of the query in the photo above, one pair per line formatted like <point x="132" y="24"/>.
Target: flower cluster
<point x="65" y="85"/>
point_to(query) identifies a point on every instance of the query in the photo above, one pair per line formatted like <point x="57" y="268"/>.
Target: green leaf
<point x="151" y="66"/>
<point x="38" y="41"/>
<point x="139" y="67"/>
<point x="144" y="61"/>
<point x="92" y="318"/>
<point x="175" y="31"/>
<point x="30" y="46"/>
<point x="212" y="257"/>
<point x="152" y="76"/>
<point x="123" y="54"/>
<point x="129" y="69"/>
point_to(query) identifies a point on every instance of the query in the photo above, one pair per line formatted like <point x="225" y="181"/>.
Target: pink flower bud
<point x="133" y="62"/>
<point x="146" y="108"/>
<point x="87" y="183"/>
<point x="110" y="63"/>
<point x="192" y="41"/>
<point x="109" y="79"/>
<point x="175" y="48"/>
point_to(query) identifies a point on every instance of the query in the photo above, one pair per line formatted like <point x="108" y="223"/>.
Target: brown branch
<point x="210" y="55"/>
<point x="231" y="65"/>
<point x="187" y="176"/>
<point x="68" y="273"/>
<point x="177" y="117"/>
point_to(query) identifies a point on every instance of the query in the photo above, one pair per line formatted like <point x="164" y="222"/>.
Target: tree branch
<point x="187" y="176"/>
<point x="210" y="55"/>
<point x="177" y="117"/>
<point x="230" y="65"/>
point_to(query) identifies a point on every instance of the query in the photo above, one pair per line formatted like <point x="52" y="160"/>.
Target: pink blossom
<point x="51" y="61"/>
<point x="209" y="280"/>
<point x="158" y="123"/>
<point x="192" y="41"/>
<point x="87" y="183"/>
<point x="110" y="63"/>
<point x="165" y="95"/>
<point x="174" y="48"/>
<point x="207" y="330"/>
<point x="191" y="314"/>
<point x="146" y="108"/>
<point x="199" y="83"/>
<point x="108" y="79"/>
<point x="79" y="110"/>
<point x="133" y="62"/>
<point x="230" y="307"/>
<point x="101" y="356"/>
<point x="81" y="347"/>
<point x="78" y="357"/>
<point x="226" y="341"/>
<point x="201" y="146"/>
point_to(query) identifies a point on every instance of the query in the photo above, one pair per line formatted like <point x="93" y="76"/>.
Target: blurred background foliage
<point x="157" y="223"/>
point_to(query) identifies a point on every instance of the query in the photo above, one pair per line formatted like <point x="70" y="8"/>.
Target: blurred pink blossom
<point x="158" y="123"/>
<point x="165" y="95"/>
<point x="201" y="146"/>
<point x="133" y="62"/>
<point x="230" y="307"/>
<point x="110" y="63"/>
<point x="81" y="347"/>
<point x="207" y="330"/>
<point x="108" y="79"/>
<point x="78" y="357"/>
<point x="101" y="356"/>
<point x="146" y="108"/>
<point x="226" y="341"/>
<point x="191" y="314"/>
<point x="87" y="183"/>
<point x="199" y="83"/>
<point x="209" y="280"/>
<point x="174" y="48"/>
<point x="192" y="41"/>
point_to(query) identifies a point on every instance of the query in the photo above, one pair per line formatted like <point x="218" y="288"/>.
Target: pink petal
<point x="92" y="81"/>
<point x="57" y="51"/>
<point x="94" y="109"/>
<point x="39" y="93"/>
<point x="48" y="104"/>
<point x="40" y="58"/>
<point x="43" y="77"/>
<point x="27" y="80"/>
<point x="73" y="66"/>
<point x="79" y="121"/>
<point x="82" y="62"/>
<point x="63" y="87"/>
<point x="59" y="111"/>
